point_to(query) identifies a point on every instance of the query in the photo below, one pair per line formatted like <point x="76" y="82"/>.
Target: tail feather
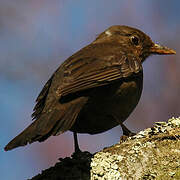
<point x="23" y="138"/>
<point x="59" y="120"/>
<point x="32" y="133"/>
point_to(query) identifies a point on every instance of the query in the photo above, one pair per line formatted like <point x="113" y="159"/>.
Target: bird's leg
<point x="126" y="131"/>
<point x="76" y="146"/>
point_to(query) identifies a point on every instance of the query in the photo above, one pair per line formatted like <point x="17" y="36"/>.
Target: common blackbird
<point x="95" y="89"/>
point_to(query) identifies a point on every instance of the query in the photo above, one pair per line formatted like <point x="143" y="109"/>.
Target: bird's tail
<point x="29" y="135"/>
<point x="54" y="122"/>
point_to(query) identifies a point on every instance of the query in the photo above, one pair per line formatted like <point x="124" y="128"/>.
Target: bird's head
<point x="136" y="41"/>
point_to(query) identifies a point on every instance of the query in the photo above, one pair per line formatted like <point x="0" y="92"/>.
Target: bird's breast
<point x="109" y="105"/>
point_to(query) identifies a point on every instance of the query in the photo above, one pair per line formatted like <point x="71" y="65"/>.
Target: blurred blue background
<point x="36" y="36"/>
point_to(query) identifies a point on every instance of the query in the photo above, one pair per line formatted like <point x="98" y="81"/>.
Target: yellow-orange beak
<point x="158" y="49"/>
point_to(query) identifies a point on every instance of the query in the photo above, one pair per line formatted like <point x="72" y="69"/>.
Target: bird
<point x="93" y="90"/>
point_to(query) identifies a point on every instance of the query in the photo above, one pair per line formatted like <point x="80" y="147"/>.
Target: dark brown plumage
<point x="95" y="89"/>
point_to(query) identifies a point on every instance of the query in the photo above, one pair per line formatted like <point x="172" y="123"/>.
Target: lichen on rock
<point x="151" y="154"/>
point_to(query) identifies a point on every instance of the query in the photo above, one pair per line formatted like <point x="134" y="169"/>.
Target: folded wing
<point x="95" y="65"/>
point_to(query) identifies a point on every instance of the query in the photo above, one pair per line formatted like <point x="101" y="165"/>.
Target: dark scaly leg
<point x="126" y="131"/>
<point x="76" y="146"/>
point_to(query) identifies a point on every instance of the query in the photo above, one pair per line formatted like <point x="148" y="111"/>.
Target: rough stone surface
<point x="76" y="167"/>
<point x="151" y="154"/>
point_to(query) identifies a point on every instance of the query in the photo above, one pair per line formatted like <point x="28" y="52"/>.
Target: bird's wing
<point x="41" y="99"/>
<point x="101" y="71"/>
<point x="84" y="70"/>
<point x="91" y="67"/>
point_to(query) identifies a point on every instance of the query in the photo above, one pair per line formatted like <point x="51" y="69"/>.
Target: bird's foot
<point x="126" y="133"/>
<point x="81" y="155"/>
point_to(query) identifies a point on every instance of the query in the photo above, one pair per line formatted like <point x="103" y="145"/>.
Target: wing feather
<point x="102" y="76"/>
<point x="93" y="66"/>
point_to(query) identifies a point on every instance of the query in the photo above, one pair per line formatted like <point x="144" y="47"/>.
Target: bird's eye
<point x="135" y="40"/>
